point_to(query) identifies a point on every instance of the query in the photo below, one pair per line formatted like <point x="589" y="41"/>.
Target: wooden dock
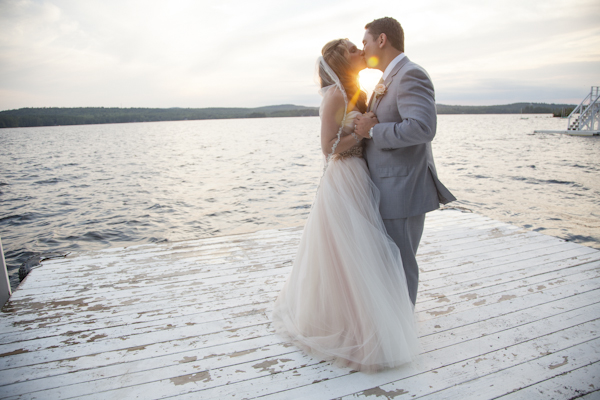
<point x="572" y="133"/>
<point x="503" y="312"/>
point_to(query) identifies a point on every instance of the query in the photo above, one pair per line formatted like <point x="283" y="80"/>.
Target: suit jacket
<point x="399" y="155"/>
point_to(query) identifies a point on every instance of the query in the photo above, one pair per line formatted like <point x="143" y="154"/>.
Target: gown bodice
<point x="356" y="150"/>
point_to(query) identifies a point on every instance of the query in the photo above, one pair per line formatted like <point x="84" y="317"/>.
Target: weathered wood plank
<point x="180" y="308"/>
<point x="253" y="353"/>
<point x="521" y="272"/>
<point x="171" y="322"/>
<point x="444" y="376"/>
<point x="116" y="302"/>
<point x="551" y="324"/>
<point x="177" y="270"/>
<point x="204" y="284"/>
<point x="558" y="287"/>
<point x="473" y="269"/>
<point x="497" y="383"/>
<point x="590" y="396"/>
<point x="130" y="273"/>
<point x="572" y="384"/>
<point x="191" y="320"/>
<point x="439" y="370"/>
<point x="135" y="358"/>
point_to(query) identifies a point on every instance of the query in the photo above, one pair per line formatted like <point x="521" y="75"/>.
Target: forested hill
<point x="515" y="108"/>
<point x="24" y="117"/>
<point x="92" y="115"/>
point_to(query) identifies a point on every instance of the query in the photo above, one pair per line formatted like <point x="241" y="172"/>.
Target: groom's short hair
<point x="392" y="29"/>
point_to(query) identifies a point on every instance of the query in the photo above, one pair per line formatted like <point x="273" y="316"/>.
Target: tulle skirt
<point x="346" y="298"/>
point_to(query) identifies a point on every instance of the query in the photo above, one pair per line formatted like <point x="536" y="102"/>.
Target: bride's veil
<point x="328" y="79"/>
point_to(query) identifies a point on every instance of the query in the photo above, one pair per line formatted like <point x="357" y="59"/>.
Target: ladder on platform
<point x="588" y="111"/>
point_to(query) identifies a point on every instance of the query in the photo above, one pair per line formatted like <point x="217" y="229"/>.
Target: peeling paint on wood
<point x="12" y="353"/>
<point x="242" y="353"/>
<point x="378" y="392"/>
<point x="266" y="365"/>
<point x="191" y="378"/>
<point x="438" y="313"/>
<point x="565" y="362"/>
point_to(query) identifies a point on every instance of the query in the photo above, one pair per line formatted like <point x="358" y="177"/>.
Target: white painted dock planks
<point x="503" y="313"/>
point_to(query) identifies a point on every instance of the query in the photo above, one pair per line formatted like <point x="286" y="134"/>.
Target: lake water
<point x="71" y="188"/>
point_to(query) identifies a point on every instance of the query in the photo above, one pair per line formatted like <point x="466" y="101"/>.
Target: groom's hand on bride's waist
<point x="364" y="123"/>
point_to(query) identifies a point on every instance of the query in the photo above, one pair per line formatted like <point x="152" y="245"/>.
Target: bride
<point x="346" y="298"/>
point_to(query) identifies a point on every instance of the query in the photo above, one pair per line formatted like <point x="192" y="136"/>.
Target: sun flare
<point x="368" y="78"/>
<point x="372" y="62"/>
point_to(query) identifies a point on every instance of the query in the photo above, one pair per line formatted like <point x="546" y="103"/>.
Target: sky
<point x="242" y="53"/>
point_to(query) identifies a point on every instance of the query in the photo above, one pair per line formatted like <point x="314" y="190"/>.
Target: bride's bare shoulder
<point x="333" y="98"/>
<point x="333" y="94"/>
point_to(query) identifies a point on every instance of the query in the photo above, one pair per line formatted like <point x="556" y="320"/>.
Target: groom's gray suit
<point x="401" y="162"/>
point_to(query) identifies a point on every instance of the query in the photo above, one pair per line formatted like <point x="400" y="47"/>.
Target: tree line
<point x="515" y="108"/>
<point x="51" y="116"/>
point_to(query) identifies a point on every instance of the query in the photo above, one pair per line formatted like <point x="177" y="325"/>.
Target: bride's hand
<point x="364" y="123"/>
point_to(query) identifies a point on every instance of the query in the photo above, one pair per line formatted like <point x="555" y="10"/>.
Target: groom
<point x="400" y="128"/>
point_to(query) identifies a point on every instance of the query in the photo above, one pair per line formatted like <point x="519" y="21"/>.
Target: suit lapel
<point x="388" y="80"/>
<point x="370" y="105"/>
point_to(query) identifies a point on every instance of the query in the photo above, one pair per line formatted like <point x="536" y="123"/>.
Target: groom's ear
<point x="382" y="40"/>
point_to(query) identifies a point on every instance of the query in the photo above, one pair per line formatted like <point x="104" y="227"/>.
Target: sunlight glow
<point x="372" y="62"/>
<point x="352" y="102"/>
<point x="368" y="78"/>
<point x="50" y="50"/>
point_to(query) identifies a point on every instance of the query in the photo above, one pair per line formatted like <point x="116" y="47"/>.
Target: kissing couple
<point x="350" y="295"/>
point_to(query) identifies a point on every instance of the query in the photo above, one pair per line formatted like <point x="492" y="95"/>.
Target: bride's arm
<point x="332" y="114"/>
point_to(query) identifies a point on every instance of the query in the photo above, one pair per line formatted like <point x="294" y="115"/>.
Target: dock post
<point x="4" y="282"/>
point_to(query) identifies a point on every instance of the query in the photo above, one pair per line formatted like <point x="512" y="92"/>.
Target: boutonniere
<point x="380" y="90"/>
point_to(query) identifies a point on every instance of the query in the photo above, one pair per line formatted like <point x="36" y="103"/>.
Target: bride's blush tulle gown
<point x="346" y="298"/>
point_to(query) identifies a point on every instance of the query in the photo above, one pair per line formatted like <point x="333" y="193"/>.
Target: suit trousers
<point x="406" y="232"/>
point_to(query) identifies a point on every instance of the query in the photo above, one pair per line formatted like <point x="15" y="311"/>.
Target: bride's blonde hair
<point x="335" y="54"/>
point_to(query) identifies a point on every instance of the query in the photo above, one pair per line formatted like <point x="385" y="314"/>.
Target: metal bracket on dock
<point x="5" y="291"/>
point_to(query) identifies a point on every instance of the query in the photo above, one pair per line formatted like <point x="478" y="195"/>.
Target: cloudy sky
<point x="242" y="53"/>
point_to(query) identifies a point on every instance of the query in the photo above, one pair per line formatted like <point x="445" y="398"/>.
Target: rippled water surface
<point x="90" y="187"/>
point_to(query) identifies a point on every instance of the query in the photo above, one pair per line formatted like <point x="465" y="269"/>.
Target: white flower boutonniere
<point x="379" y="90"/>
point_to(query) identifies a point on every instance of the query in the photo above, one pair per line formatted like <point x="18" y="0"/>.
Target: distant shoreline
<point x="58" y="116"/>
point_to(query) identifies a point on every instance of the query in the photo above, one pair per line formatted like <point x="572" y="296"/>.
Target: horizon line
<point x="275" y="105"/>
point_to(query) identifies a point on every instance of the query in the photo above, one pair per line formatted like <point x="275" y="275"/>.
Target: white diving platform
<point x="503" y="313"/>
<point x="572" y="133"/>
<point x="586" y="117"/>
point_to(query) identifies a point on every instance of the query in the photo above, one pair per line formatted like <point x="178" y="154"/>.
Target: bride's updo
<point x="335" y="54"/>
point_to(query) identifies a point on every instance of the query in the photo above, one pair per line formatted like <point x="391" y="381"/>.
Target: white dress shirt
<point x="392" y="64"/>
<point x="387" y="71"/>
